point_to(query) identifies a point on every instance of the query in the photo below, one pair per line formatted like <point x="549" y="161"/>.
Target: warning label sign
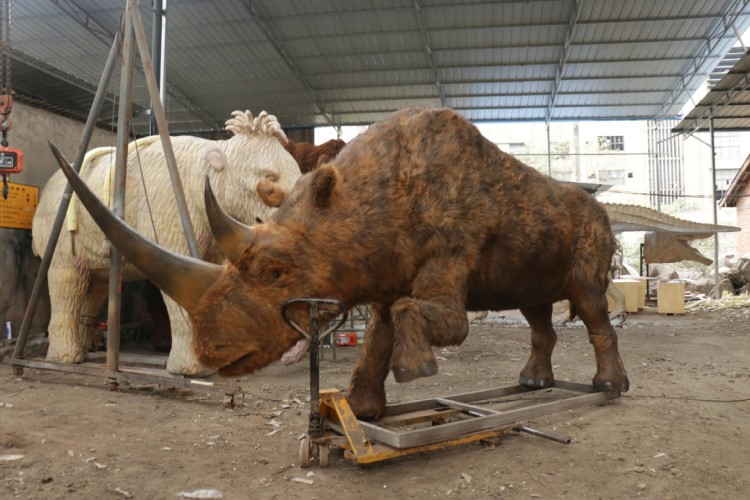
<point x="18" y="210"/>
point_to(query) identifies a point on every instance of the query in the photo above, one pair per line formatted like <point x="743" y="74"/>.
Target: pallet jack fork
<point x="424" y="425"/>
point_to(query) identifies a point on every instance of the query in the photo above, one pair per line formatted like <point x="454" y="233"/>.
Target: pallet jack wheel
<point x="323" y="455"/>
<point x="304" y="453"/>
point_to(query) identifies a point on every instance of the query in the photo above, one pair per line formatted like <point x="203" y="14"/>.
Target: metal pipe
<point x="549" y="154"/>
<point x="315" y="425"/>
<point x="166" y="141"/>
<point x="717" y="291"/>
<point x="545" y="435"/>
<point x="118" y="208"/>
<point x="49" y="251"/>
<point x="158" y="47"/>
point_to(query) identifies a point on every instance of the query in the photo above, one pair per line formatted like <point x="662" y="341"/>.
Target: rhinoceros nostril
<point x="220" y="347"/>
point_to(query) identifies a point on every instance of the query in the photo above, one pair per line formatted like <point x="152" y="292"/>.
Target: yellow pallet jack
<point x="424" y="425"/>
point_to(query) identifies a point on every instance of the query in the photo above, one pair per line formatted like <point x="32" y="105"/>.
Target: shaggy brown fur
<point x="309" y="156"/>
<point x="423" y="218"/>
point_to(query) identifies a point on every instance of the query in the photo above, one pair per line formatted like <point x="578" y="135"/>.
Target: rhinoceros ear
<point x="270" y="193"/>
<point x="215" y="157"/>
<point x="322" y="159"/>
<point x="324" y="182"/>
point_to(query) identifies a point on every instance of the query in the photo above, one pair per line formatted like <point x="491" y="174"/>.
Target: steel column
<point x="118" y="208"/>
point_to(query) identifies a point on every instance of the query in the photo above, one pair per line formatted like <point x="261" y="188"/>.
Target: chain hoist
<point x="11" y="159"/>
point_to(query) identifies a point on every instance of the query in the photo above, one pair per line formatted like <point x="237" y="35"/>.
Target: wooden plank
<point x="81" y="369"/>
<point x="130" y="374"/>
<point x="417" y="417"/>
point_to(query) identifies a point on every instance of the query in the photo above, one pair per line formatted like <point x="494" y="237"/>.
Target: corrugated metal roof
<point x="348" y="62"/>
<point x="727" y="103"/>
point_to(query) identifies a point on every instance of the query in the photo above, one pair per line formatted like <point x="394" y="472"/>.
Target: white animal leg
<point x="617" y="316"/>
<point x="67" y="289"/>
<point x="182" y="360"/>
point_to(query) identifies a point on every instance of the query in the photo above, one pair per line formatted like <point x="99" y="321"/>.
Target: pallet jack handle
<point x="315" y="425"/>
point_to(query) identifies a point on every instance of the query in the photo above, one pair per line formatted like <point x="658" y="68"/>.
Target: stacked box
<point x="670" y="297"/>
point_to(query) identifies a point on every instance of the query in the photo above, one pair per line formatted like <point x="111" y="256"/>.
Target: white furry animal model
<point x="245" y="170"/>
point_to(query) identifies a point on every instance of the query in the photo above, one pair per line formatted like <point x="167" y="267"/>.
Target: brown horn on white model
<point x="231" y="235"/>
<point x="183" y="278"/>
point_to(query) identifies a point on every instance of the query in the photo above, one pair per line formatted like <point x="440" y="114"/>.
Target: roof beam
<point x="704" y="53"/>
<point x="564" y="56"/>
<point x="262" y="20"/>
<point x="726" y="99"/>
<point x="85" y="20"/>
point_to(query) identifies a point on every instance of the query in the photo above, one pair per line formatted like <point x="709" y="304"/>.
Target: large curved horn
<point x="183" y="278"/>
<point x="231" y="235"/>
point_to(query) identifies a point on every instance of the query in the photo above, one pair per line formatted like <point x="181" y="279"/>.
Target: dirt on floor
<point x="680" y="432"/>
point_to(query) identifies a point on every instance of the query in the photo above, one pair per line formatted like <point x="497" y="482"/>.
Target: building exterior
<point x="737" y="195"/>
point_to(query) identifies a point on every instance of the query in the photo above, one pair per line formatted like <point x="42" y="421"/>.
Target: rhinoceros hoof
<point x="533" y="383"/>
<point x="611" y="386"/>
<point x="426" y="369"/>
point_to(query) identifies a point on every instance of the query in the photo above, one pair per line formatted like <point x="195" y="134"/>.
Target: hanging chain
<point x="6" y="20"/>
<point x="8" y="24"/>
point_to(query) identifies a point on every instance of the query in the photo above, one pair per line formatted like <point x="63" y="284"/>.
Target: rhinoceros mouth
<point x="239" y="366"/>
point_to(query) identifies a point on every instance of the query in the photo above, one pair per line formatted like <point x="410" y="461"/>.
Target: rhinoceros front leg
<point x="366" y="392"/>
<point x="538" y="370"/>
<point x="92" y="306"/>
<point x="67" y="290"/>
<point x="435" y="314"/>
<point x="182" y="359"/>
<point x="610" y="375"/>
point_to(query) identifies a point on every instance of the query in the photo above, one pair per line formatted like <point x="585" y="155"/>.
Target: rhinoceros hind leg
<point x="610" y="375"/>
<point x="537" y="373"/>
<point x="366" y="392"/>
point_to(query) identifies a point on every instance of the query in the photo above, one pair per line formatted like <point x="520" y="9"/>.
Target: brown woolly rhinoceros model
<point x="423" y="218"/>
<point x="252" y="158"/>
<point x="309" y="156"/>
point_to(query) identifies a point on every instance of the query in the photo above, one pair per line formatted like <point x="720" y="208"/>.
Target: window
<point x="727" y="144"/>
<point x="515" y="147"/>
<point x="613" y="177"/>
<point x="611" y="143"/>
<point x="560" y="148"/>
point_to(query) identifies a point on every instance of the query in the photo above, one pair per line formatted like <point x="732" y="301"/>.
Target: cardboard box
<point x="670" y="297"/>
<point x="631" y="288"/>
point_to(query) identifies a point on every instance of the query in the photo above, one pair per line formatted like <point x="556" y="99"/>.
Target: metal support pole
<point x="156" y="54"/>
<point x="166" y="141"/>
<point x="83" y="146"/>
<point x="549" y="154"/>
<point x="118" y="208"/>
<point x="717" y="292"/>
<point x="315" y="424"/>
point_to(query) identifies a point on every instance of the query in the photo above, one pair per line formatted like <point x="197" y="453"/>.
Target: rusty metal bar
<point x="166" y="141"/>
<point x="49" y="251"/>
<point x="452" y="430"/>
<point x="121" y="160"/>
<point x="541" y="434"/>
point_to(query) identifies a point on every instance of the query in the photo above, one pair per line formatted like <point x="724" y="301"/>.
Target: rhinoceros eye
<point x="276" y="274"/>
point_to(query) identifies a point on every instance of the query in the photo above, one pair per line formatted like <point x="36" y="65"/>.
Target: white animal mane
<point x="244" y="123"/>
